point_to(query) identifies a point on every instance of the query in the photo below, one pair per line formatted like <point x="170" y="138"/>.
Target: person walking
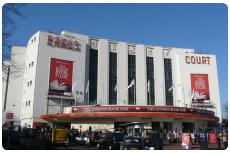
<point x="219" y="138"/>
<point x="192" y="137"/>
<point x="195" y="135"/>
<point x="168" y="137"/>
<point x="225" y="139"/>
<point x="202" y="139"/>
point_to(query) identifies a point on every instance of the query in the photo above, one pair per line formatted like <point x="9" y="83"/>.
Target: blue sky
<point x="199" y="26"/>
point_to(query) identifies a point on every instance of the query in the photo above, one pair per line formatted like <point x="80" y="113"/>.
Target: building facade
<point x="71" y="74"/>
<point x="11" y="101"/>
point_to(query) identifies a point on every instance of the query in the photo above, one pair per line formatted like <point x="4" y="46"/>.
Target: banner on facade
<point x="212" y="138"/>
<point x="199" y="88"/>
<point x="185" y="141"/>
<point x="60" y="76"/>
<point x="9" y="115"/>
<point x="81" y="109"/>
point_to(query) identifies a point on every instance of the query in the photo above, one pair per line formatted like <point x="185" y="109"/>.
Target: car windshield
<point x="133" y="141"/>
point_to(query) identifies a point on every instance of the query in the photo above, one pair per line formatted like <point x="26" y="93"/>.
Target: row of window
<point x="168" y="82"/>
<point x="27" y="103"/>
<point x="31" y="64"/>
<point x="150" y="81"/>
<point x="131" y="78"/>
<point x="113" y="78"/>
<point x="29" y="83"/>
<point x="113" y="47"/>
<point x="93" y="62"/>
<point x="33" y="40"/>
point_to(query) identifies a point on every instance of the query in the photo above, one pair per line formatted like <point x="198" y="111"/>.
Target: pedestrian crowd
<point x="16" y="137"/>
<point x="200" y="137"/>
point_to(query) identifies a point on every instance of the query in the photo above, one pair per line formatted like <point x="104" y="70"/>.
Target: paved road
<point x="75" y="148"/>
<point x="177" y="146"/>
<point x="172" y="146"/>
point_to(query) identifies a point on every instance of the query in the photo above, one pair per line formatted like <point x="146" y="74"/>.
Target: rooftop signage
<point x="197" y="59"/>
<point x="63" y="43"/>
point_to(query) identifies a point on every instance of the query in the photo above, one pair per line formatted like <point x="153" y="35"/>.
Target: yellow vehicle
<point x="59" y="135"/>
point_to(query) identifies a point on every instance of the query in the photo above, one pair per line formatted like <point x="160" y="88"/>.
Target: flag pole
<point x="184" y="97"/>
<point x="149" y="94"/>
<point x="134" y="92"/>
<point x="75" y="100"/>
<point x="88" y="94"/>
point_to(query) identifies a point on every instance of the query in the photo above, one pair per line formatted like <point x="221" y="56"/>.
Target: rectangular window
<point x="93" y="62"/>
<point x="29" y="103"/>
<point x="30" y="82"/>
<point x="168" y="82"/>
<point x="94" y="43"/>
<point x="131" y="77"/>
<point x="113" y="46"/>
<point x="150" y="81"/>
<point x="112" y="78"/>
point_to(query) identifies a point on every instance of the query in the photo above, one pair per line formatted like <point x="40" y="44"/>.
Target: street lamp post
<point x="7" y="83"/>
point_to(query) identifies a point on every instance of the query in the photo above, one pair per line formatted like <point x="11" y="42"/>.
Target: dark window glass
<point x="93" y="62"/>
<point x="168" y="82"/>
<point x="112" y="78"/>
<point x="150" y="81"/>
<point x="131" y="76"/>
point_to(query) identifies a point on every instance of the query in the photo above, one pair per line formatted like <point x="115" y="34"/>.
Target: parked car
<point x="133" y="143"/>
<point x="110" y="140"/>
<point x="102" y="141"/>
<point x="82" y="139"/>
<point x="117" y="138"/>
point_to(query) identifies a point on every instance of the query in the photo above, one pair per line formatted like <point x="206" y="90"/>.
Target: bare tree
<point x="9" y="12"/>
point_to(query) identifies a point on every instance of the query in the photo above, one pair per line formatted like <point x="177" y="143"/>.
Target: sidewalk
<point x="177" y="146"/>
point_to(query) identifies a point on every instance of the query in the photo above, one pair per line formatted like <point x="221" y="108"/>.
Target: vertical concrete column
<point x="86" y="57"/>
<point x="81" y="64"/>
<point x="141" y="78"/>
<point x="81" y="68"/>
<point x="159" y="76"/>
<point x="103" y="72"/>
<point x="177" y="84"/>
<point x="214" y="89"/>
<point x="122" y="74"/>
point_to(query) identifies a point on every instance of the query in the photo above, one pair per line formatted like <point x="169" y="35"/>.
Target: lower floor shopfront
<point x="166" y="118"/>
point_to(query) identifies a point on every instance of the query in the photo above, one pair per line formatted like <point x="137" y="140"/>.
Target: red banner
<point x="200" y="88"/>
<point x="212" y="138"/>
<point x="39" y="124"/>
<point x="60" y="76"/>
<point x="185" y="141"/>
<point x="9" y="116"/>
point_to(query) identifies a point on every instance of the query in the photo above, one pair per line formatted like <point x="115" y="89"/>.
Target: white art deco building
<point x="86" y="80"/>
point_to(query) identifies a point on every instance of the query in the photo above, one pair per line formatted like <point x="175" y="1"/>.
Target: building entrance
<point x="167" y="126"/>
<point x="155" y="125"/>
<point x="117" y="124"/>
<point x="188" y="127"/>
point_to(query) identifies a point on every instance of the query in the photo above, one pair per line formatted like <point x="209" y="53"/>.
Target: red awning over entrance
<point x="97" y="112"/>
